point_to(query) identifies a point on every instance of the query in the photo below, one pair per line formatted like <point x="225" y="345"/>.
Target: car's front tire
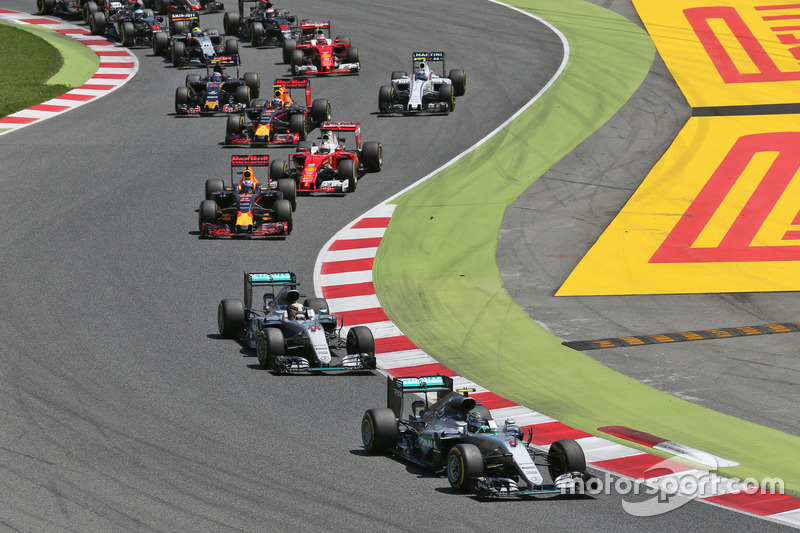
<point x="269" y="345"/>
<point x="464" y="464"/>
<point x="565" y="456"/>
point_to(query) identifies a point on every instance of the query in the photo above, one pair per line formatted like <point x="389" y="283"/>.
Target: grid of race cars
<point x="446" y="430"/>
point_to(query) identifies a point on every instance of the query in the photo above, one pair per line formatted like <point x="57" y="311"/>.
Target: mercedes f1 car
<point x="316" y="53"/>
<point x="217" y="92"/>
<point x="291" y="337"/>
<point x="247" y="207"/>
<point x="263" y="26"/>
<point x="330" y="167"/>
<point x="424" y="91"/>
<point x="458" y="437"/>
<point x="279" y="121"/>
<point x="70" y="8"/>
<point x="132" y="25"/>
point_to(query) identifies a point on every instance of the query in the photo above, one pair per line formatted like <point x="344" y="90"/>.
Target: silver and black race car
<point x="457" y="436"/>
<point x="291" y="337"/>
<point x="424" y="91"/>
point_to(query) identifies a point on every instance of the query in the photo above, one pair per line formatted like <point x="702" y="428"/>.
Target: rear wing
<point x="315" y="25"/>
<point x="223" y="61"/>
<point x="190" y="20"/>
<point x="397" y="388"/>
<point x="245" y="161"/>
<point x="427" y="57"/>
<point x="294" y="83"/>
<point x="343" y="126"/>
<point x="253" y="279"/>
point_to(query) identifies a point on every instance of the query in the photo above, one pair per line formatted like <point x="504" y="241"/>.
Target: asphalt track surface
<point x="121" y="407"/>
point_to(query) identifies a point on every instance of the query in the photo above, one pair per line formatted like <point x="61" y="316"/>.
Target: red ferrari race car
<point x="316" y="53"/>
<point x="248" y="207"/>
<point x="279" y="121"/>
<point x="330" y="167"/>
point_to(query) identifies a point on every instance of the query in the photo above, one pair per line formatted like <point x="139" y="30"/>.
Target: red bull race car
<point x="280" y="120"/>
<point x="248" y="207"/>
<point x="317" y="54"/>
<point x="217" y="91"/>
<point x="330" y="167"/>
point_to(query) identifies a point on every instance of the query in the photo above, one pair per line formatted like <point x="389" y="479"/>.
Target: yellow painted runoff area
<point x="728" y="52"/>
<point x="718" y="213"/>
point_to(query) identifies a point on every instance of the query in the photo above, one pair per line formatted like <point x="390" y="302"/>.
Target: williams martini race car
<point x="278" y="121"/>
<point x="217" y="92"/>
<point x="291" y="337"/>
<point x="247" y="207"/>
<point x="424" y="91"/>
<point x="132" y="25"/>
<point x="316" y="53"/>
<point x="458" y="437"/>
<point x="263" y="26"/>
<point x="330" y="167"/>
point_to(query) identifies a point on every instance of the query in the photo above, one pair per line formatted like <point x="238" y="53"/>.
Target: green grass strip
<point x="38" y="64"/>
<point x="437" y="278"/>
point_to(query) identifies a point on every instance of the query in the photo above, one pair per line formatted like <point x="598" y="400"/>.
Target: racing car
<point x="330" y="167"/>
<point x="291" y="337"/>
<point x="279" y="121"/>
<point x="70" y="8"/>
<point x="217" y="92"/>
<point x="163" y="7"/>
<point x="457" y="436"/>
<point x="316" y="53"/>
<point x="134" y="26"/>
<point x="263" y="26"/>
<point x="247" y="207"/>
<point x="423" y="91"/>
<point x="189" y="46"/>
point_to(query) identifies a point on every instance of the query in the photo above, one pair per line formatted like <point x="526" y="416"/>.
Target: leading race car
<point x="424" y="91"/>
<point x="291" y="337"/>
<point x="330" y="167"/>
<point x="279" y="121"/>
<point x="70" y="8"/>
<point x="263" y="25"/>
<point x="247" y="207"/>
<point x="457" y="436"/>
<point x="217" y="91"/>
<point x="316" y="53"/>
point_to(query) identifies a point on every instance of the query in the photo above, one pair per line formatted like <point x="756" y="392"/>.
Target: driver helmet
<point x="276" y="103"/>
<point x="477" y="423"/>
<point x="270" y="13"/>
<point x="324" y="149"/>
<point x="139" y="12"/>
<point x="321" y="37"/>
<point x="420" y="74"/>
<point x="248" y="186"/>
<point x="216" y="77"/>
<point x="197" y="32"/>
<point x="296" y="310"/>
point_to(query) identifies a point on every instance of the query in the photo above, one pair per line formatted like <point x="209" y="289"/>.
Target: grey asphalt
<point x="121" y="408"/>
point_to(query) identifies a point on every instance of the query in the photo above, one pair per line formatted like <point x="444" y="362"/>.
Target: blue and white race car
<point x="424" y="91"/>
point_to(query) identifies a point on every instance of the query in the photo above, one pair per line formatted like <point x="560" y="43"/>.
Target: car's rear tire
<point x="297" y="124"/>
<point x="320" y="110"/>
<point x="177" y="27"/>
<point x="269" y="345"/>
<point x="277" y="170"/>
<point x="347" y="171"/>
<point x="212" y="186"/>
<point x="128" y="34"/>
<point x="256" y="33"/>
<point x="379" y="431"/>
<point x="283" y="213"/>
<point x="208" y="213"/>
<point x="160" y="43"/>
<point x="565" y="456"/>
<point x="459" y="79"/>
<point x="360" y="340"/>
<point x="45" y="7"/>
<point x="385" y="94"/>
<point x="178" y="53"/>
<point x="353" y="56"/>
<point x="372" y="156"/>
<point x="231" y="318"/>
<point x="289" y="189"/>
<point x="242" y="95"/>
<point x="344" y="39"/>
<point x="230" y="23"/>
<point x="235" y="124"/>
<point x="191" y="78"/>
<point x="297" y="61"/>
<point x="397" y="74"/>
<point x="181" y="98"/>
<point x="447" y="96"/>
<point x="253" y="80"/>
<point x="97" y="23"/>
<point x="319" y="305"/>
<point x="287" y="48"/>
<point x="464" y="464"/>
<point x="231" y="47"/>
<point x="88" y="9"/>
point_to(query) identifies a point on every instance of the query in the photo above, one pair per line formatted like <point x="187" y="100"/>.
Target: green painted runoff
<point x="438" y="260"/>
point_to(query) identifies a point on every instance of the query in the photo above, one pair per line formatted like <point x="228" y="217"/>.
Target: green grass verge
<point x="438" y="260"/>
<point x="53" y="64"/>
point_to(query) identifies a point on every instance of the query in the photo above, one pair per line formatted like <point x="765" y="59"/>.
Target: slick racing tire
<point x="181" y="98"/>
<point x="319" y="305"/>
<point x="207" y="213"/>
<point x="344" y="39"/>
<point x="289" y="189"/>
<point x="459" y="79"/>
<point x="565" y="456"/>
<point x="192" y="78"/>
<point x="397" y="74"/>
<point x="320" y="110"/>
<point x="213" y="185"/>
<point x="177" y="27"/>
<point x="464" y="464"/>
<point x="297" y="60"/>
<point x="360" y="340"/>
<point x="253" y="80"/>
<point x="385" y="97"/>
<point x="97" y="23"/>
<point x="447" y="96"/>
<point x="178" y="53"/>
<point x="288" y="47"/>
<point x="283" y="213"/>
<point x="160" y="43"/>
<point x="297" y="124"/>
<point x="230" y="23"/>
<point x="231" y="47"/>
<point x="269" y="346"/>
<point x="88" y="9"/>
<point x="277" y="170"/>
<point x="372" y="156"/>
<point x="128" y="34"/>
<point x="256" y="33"/>
<point x="379" y="431"/>
<point x="353" y="56"/>
<point x="45" y="7"/>
<point x="231" y="318"/>
<point x="235" y="124"/>
<point x="242" y="95"/>
<point x="347" y="171"/>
